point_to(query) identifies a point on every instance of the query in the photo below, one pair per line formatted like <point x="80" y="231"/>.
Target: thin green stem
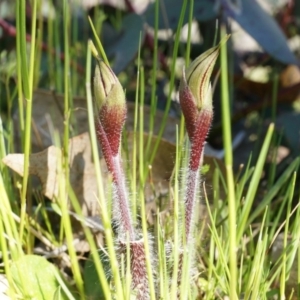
<point x="38" y="47"/>
<point x="28" y="87"/>
<point x="90" y="238"/>
<point x="172" y="81"/>
<point x="98" y="43"/>
<point x="57" y="46"/>
<point x="188" y="42"/>
<point x="102" y="202"/>
<point x="66" y="87"/>
<point x="21" y="14"/>
<point x="19" y="72"/>
<point x="284" y="274"/>
<point x="64" y="182"/>
<point x="50" y="56"/>
<point x="177" y="245"/>
<point x="66" y="222"/>
<point x="11" y="230"/>
<point x="273" y="192"/>
<point x="226" y="124"/>
<point x="141" y="128"/>
<point x="154" y="68"/>
<point x="142" y="184"/>
<point x="134" y="146"/>
<point x="244" y="217"/>
<point x="274" y="95"/>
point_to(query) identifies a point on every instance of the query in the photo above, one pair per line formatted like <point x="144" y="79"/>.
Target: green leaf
<point x="36" y="278"/>
<point x="92" y="285"/>
<point x="262" y="27"/>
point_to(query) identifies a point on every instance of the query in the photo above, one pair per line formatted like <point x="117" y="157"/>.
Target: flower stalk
<point x="196" y="103"/>
<point x="111" y="110"/>
<point x="110" y="119"/>
<point x="195" y="97"/>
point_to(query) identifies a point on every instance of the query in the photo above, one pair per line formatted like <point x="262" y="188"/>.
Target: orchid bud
<point x="110" y="103"/>
<point x="196" y="103"/>
<point x="195" y="89"/>
<point x="107" y="88"/>
<point x="197" y="77"/>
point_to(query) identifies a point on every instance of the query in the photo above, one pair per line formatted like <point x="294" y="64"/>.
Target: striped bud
<point x="195" y="89"/>
<point x="110" y="103"/>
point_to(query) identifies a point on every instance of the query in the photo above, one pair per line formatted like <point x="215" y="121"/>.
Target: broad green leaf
<point x="262" y="27"/>
<point x="92" y="285"/>
<point x="36" y="278"/>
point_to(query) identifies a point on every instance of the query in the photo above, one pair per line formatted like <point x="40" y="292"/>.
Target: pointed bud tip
<point x="111" y="105"/>
<point x="197" y="76"/>
<point x="195" y="90"/>
<point x="107" y="88"/>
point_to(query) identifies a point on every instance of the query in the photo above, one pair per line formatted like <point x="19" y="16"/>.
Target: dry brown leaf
<point x="82" y="171"/>
<point x="163" y="164"/>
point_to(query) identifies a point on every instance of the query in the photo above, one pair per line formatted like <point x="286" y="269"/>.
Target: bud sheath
<point x="110" y="104"/>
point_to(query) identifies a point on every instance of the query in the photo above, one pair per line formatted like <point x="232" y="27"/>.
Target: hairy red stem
<point x="201" y="129"/>
<point x="123" y="210"/>
<point x="138" y="268"/>
<point x="105" y="146"/>
<point x="112" y="120"/>
<point x="114" y="167"/>
<point x="192" y="181"/>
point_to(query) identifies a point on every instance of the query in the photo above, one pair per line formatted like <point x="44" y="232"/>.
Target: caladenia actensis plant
<point x="195" y="96"/>
<point x="110" y="118"/>
<point x="196" y="103"/>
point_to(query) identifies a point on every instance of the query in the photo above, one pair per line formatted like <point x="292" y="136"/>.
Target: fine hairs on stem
<point x="110" y="118"/>
<point x="196" y="103"/>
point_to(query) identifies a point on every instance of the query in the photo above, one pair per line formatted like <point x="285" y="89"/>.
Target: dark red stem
<point x="138" y="268"/>
<point x="114" y="167"/>
<point x="189" y="109"/>
<point x="126" y="224"/>
<point x="112" y="120"/>
<point x="105" y="146"/>
<point x="201" y="129"/>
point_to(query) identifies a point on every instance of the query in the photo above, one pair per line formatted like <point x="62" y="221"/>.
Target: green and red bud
<point x="195" y="96"/>
<point x="107" y="88"/>
<point x="111" y="105"/>
<point x="197" y="78"/>
<point x="111" y="114"/>
<point x="195" y="89"/>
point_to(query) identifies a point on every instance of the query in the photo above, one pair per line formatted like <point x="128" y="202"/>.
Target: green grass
<point x="233" y="256"/>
